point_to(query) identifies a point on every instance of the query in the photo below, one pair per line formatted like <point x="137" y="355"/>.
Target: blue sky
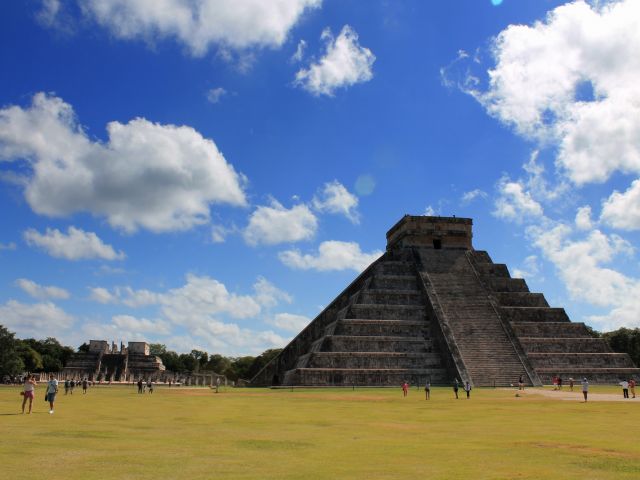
<point x="211" y="174"/>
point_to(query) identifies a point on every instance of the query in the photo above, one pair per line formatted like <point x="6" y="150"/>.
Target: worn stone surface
<point x="434" y="309"/>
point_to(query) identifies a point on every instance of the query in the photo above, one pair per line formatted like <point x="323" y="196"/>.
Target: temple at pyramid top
<point x="431" y="232"/>
<point x="434" y="309"/>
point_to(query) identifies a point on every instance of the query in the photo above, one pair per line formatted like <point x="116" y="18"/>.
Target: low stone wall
<point x="382" y="377"/>
<point x="342" y="343"/>
<point x="580" y="360"/>
<point x="373" y="360"/>
<point x="404" y="328"/>
<point x="381" y="312"/>
<point x="567" y="345"/>
<point x="550" y="329"/>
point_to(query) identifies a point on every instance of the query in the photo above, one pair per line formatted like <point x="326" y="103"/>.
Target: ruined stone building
<point x="434" y="309"/>
<point x="104" y="362"/>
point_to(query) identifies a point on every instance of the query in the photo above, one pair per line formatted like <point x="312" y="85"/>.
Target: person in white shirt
<point x="585" y="388"/>
<point x="625" y="388"/>
<point x="52" y="389"/>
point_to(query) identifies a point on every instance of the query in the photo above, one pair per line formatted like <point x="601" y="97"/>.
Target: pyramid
<point x="432" y="308"/>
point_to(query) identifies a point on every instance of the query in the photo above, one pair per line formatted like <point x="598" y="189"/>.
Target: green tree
<point x="261" y="360"/>
<point x="625" y="340"/>
<point x="84" y="348"/>
<point x="218" y="363"/>
<point x="158" y="349"/>
<point x="31" y="359"/>
<point x="10" y="361"/>
<point x="172" y="362"/>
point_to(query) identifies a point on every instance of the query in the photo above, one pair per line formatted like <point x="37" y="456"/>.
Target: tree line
<point x="18" y="356"/>
<point x="29" y="355"/>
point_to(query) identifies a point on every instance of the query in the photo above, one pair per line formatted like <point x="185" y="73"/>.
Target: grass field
<point x="114" y="433"/>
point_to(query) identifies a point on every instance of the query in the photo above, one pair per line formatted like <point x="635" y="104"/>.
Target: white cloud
<point x="38" y="320"/>
<point x="102" y="295"/>
<point x="8" y="246"/>
<point x="581" y="265"/>
<point x="268" y="295"/>
<point x="335" y="198"/>
<point x="199" y="25"/>
<point x="572" y="80"/>
<point x="159" y="177"/>
<point x="141" y="325"/>
<point x="76" y="244"/>
<point x="430" y="211"/>
<point x="469" y="197"/>
<point x="515" y="203"/>
<point x="332" y="255"/>
<point x="622" y="210"/>
<point x="41" y="292"/>
<point x="345" y="63"/>
<point x="289" y="322"/>
<point x="215" y="94"/>
<point x="299" y="54"/>
<point x="530" y="268"/>
<point x="275" y="224"/>
<point x="583" y="218"/>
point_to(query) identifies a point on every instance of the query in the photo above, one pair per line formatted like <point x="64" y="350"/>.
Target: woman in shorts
<point x="29" y="388"/>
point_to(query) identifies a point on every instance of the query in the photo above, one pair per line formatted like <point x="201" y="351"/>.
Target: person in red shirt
<point x="405" y="389"/>
<point x="632" y="387"/>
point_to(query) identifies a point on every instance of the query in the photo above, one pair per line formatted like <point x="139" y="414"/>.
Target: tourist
<point x="467" y="388"/>
<point x="85" y="385"/>
<point x="585" y="388"/>
<point x="28" y="391"/>
<point x="405" y="389"/>
<point x="625" y="388"/>
<point x="555" y="382"/>
<point x="455" y="388"/>
<point x="66" y="386"/>
<point x="52" y="389"/>
<point x="520" y="383"/>
<point x="72" y="385"/>
<point x="632" y="387"/>
<point x="559" y="382"/>
<point x="571" y="383"/>
<point x="427" y="391"/>
<point x="150" y="385"/>
<point x="140" y="385"/>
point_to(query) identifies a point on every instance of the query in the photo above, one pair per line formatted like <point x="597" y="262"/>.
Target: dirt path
<point x="576" y="395"/>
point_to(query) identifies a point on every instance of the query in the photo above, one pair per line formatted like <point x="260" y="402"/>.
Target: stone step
<point x="391" y="297"/>
<point x="501" y="284"/>
<point x="395" y="282"/>
<point x="499" y="270"/>
<point x="580" y="360"/>
<point x="533" y="314"/>
<point x="371" y="327"/>
<point x="374" y="360"/>
<point x="521" y="299"/>
<point x="387" y="312"/>
<point x="366" y="377"/>
<point x="564" y="345"/>
<point x="391" y="267"/>
<point x="349" y="343"/>
<point x="550" y="329"/>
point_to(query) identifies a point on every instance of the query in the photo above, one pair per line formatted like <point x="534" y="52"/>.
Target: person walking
<point x="85" y="385"/>
<point x="467" y="388"/>
<point x="66" y="386"/>
<point x="405" y="389"/>
<point x="571" y="383"/>
<point x="427" y="391"/>
<point x="28" y="391"/>
<point x="150" y="385"/>
<point x="72" y="385"/>
<point x="52" y="390"/>
<point x="625" y="388"/>
<point x="559" y="382"/>
<point x="585" y="388"/>
<point x="139" y="385"/>
<point x="520" y="383"/>
<point x="456" y="385"/>
<point x="632" y="387"/>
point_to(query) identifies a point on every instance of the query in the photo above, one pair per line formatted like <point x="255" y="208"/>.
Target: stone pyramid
<point x="434" y="309"/>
